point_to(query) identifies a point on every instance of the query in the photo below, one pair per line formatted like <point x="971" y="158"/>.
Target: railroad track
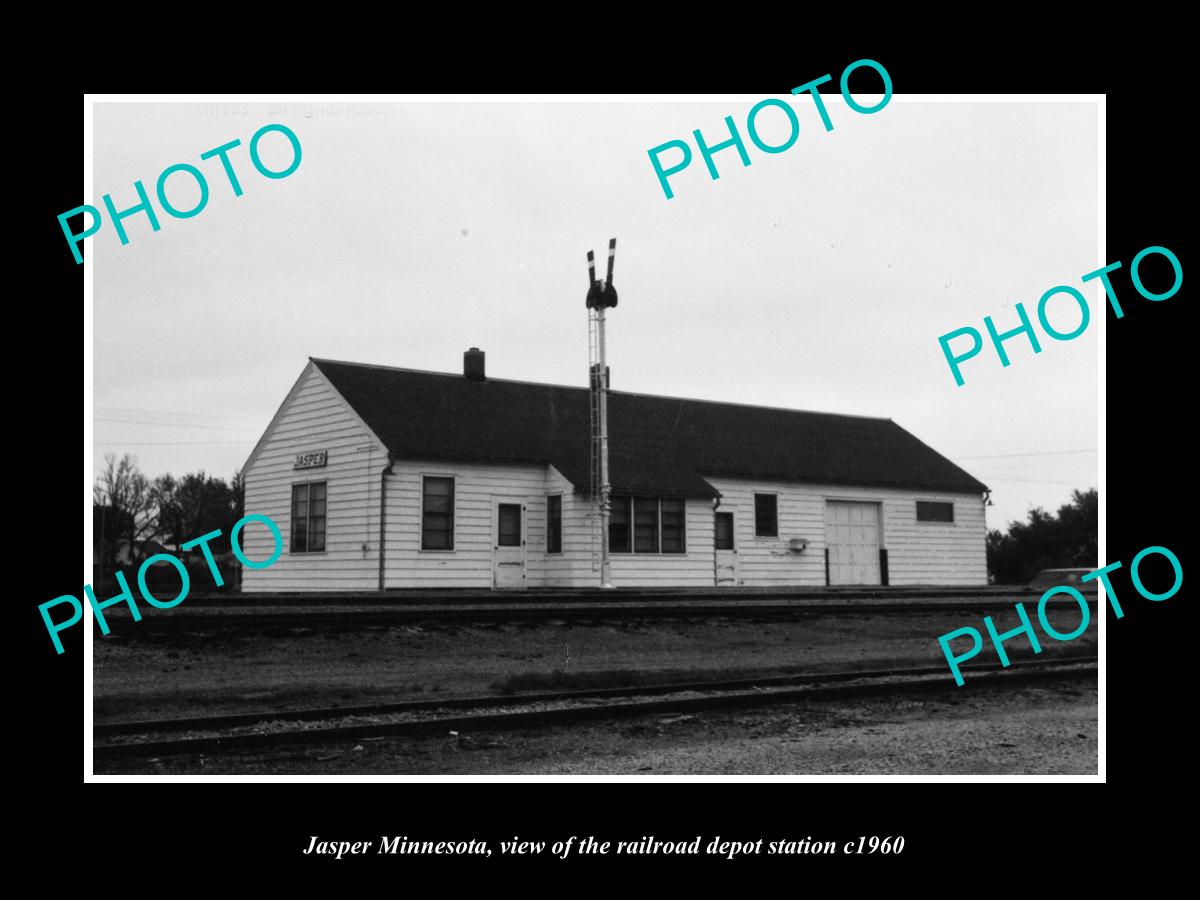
<point x="551" y="596"/>
<point x="748" y="610"/>
<point x="504" y="712"/>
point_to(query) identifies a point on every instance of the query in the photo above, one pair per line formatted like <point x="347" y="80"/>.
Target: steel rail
<point x="175" y="619"/>
<point x="722" y="694"/>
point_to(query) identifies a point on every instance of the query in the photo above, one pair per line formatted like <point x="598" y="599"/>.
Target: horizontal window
<point x="932" y="511"/>
<point x="646" y="525"/>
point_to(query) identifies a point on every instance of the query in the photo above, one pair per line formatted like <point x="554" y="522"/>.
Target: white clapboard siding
<point x="565" y="569"/>
<point x="694" y="568"/>
<point x="918" y="552"/>
<point x="936" y="552"/>
<point x="478" y="487"/>
<point x="315" y="417"/>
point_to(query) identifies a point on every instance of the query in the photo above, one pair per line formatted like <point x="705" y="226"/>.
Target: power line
<point x="1073" y="484"/>
<point x="171" y="412"/>
<point x="1033" y="453"/>
<point x="161" y="443"/>
<point x="1032" y="467"/>
<point x="172" y="424"/>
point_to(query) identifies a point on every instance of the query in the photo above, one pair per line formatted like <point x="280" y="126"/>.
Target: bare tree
<point x="238" y="488"/>
<point x="195" y="504"/>
<point x="127" y="504"/>
<point x="171" y="514"/>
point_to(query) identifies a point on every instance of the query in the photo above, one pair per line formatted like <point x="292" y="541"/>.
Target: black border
<point x="964" y="830"/>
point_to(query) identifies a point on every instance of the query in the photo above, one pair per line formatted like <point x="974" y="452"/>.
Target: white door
<point x="508" y="557"/>
<point x="852" y="536"/>
<point x="726" y="549"/>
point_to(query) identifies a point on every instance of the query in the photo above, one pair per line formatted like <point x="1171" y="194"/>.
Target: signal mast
<point x="601" y="295"/>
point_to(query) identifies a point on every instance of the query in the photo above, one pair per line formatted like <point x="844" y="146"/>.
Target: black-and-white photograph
<point x="598" y="437"/>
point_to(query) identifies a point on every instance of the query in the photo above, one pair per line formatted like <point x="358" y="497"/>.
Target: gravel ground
<point x="149" y="675"/>
<point x="1049" y="729"/>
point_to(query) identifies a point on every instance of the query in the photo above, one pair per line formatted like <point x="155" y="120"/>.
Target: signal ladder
<point x="601" y="296"/>
<point x="594" y="426"/>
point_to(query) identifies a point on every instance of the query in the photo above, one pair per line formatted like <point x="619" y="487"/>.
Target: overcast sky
<point x="818" y="278"/>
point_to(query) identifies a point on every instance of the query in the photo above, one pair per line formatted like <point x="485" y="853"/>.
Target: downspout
<point x="383" y="513"/>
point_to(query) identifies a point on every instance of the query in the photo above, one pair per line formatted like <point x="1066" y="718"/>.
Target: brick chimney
<point x="473" y="365"/>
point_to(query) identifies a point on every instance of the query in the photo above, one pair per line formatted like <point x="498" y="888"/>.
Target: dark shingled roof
<point x="658" y="445"/>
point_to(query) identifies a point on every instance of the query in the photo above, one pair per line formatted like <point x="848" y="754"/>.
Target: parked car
<point x="1048" y="578"/>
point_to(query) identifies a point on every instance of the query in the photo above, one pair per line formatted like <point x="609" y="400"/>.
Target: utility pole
<point x="601" y="296"/>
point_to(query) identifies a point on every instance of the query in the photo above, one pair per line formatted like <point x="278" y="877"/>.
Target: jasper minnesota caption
<point x="589" y="846"/>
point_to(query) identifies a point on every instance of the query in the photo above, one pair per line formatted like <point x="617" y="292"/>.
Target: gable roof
<point x="657" y="445"/>
<point x="275" y="419"/>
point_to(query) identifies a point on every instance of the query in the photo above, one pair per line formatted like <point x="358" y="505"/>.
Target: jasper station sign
<point x="313" y="459"/>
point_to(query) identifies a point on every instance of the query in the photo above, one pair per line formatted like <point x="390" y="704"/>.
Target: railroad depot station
<point x="387" y="478"/>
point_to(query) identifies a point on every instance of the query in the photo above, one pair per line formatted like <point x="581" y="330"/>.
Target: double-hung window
<point x="645" y="525"/>
<point x="308" y="517"/>
<point x="766" y="515"/>
<point x="437" y="513"/>
<point x="554" y="523"/>
<point x="724" y="535"/>
<point x="672" y="526"/>
<point x="618" y="525"/>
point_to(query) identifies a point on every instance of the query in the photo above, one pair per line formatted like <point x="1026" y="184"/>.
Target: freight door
<point x="508" y="557"/>
<point x="853" y="538"/>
